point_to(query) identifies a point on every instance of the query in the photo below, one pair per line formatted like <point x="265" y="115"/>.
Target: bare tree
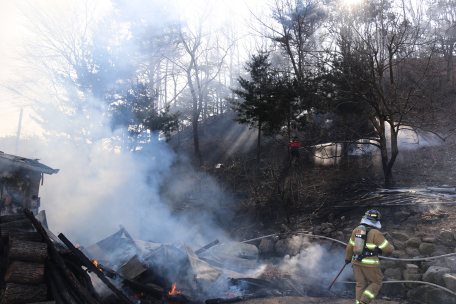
<point x="443" y="18"/>
<point x="200" y="67"/>
<point x="387" y="66"/>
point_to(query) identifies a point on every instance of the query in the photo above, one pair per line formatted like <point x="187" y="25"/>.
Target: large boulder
<point x="413" y="242"/>
<point x="387" y="264"/>
<point x="413" y="252"/>
<point x="399" y="254"/>
<point x="427" y="248"/>
<point x="450" y="262"/>
<point x="450" y="281"/>
<point x="400" y="245"/>
<point x="411" y="273"/>
<point x="434" y="274"/>
<point x="401" y="236"/>
<point x="281" y="247"/>
<point x="447" y="235"/>
<point x="431" y="295"/>
<point x="392" y="288"/>
<point x="266" y="246"/>
<point x="429" y="239"/>
<point x="339" y="235"/>
<point x="327" y="228"/>
<point x="393" y="273"/>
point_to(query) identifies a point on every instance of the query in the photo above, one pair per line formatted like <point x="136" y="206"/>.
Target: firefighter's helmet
<point x="372" y="215"/>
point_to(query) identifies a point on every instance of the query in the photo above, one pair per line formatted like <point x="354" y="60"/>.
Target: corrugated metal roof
<point x="25" y="163"/>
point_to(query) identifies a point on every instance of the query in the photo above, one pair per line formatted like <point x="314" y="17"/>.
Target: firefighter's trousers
<point x="368" y="282"/>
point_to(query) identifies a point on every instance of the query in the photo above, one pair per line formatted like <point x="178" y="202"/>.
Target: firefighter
<point x="294" y="147"/>
<point x="365" y="244"/>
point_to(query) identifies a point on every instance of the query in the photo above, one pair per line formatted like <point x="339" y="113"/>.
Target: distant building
<point x="20" y="180"/>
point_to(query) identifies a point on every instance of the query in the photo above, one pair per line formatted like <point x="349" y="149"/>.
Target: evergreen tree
<point x="258" y="103"/>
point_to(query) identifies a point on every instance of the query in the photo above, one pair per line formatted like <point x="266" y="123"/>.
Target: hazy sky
<point x="10" y="26"/>
<point x="12" y="30"/>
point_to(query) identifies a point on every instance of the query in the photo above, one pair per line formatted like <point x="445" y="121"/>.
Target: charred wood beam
<point x="69" y="276"/>
<point x="202" y="249"/>
<point x="21" y="293"/>
<point x="25" y="273"/>
<point x="24" y="236"/>
<point x="156" y="292"/>
<point x="84" y="275"/>
<point x="5" y="232"/>
<point x="87" y="263"/>
<point x="54" y="291"/>
<point x="12" y="218"/>
<point x="28" y="251"/>
<point x="23" y="224"/>
<point x="61" y="291"/>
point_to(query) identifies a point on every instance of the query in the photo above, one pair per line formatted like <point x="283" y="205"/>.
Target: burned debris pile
<point x="39" y="267"/>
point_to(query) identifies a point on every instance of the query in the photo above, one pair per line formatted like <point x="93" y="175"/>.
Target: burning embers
<point x="174" y="291"/>
<point x="231" y="294"/>
<point x="175" y="296"/>
<point x="96" y="264"/>
<point x="137" y="296"/>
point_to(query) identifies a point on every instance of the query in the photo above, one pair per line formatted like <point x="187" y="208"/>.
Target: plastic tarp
<point x="239" y="257"/>
<point x="204" y="274"/>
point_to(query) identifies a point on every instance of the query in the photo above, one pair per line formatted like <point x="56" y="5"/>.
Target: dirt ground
<point x="306" y="300"/>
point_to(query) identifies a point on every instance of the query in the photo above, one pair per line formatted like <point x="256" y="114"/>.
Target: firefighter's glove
<point x="348" y="261"/>
<point x="395" y="247"/>
<point x="379" y="251"/>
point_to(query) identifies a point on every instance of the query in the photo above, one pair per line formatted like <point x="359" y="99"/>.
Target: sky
<point x="12" y="30"/>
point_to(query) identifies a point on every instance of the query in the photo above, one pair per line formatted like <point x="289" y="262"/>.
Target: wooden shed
<point x="20" y="180"/>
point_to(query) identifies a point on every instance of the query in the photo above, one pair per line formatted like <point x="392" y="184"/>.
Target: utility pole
<point x="18" y="131"/>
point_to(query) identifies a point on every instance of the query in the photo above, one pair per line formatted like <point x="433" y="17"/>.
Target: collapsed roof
<point x="25" y="163"/>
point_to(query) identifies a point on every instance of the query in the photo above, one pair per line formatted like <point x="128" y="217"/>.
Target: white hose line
<point x="390" y="282"/>
<point x="345" y="244"/>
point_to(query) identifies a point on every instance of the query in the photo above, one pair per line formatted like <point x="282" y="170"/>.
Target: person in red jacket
<point x="294" y="147"/>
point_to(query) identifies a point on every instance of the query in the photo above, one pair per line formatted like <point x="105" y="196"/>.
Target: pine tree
<point x="257" y="101"/>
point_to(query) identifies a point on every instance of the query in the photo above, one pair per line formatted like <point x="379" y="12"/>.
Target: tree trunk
<point x="20" y="293"/>
<point x="387" y="173"/>
<point x="25" y="273"/>
<point x="195" y="117"/>
<point x="259" y="142"/>
<point x="28" y="251"/>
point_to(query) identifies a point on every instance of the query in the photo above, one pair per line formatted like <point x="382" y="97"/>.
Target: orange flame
<point x="136" y="296"/>
<point x="77" y="246"/>
<point x="96" y="264"/>
<point x="173" y="290"/>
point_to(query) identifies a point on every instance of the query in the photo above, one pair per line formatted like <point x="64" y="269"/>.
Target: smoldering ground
<point x="312" y="266"/>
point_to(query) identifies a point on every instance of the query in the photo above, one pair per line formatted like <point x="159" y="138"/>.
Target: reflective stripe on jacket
<point x="374" y="239"/>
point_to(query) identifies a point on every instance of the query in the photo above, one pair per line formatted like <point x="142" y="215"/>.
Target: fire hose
<point x="381" y="257"/>
<point x="345" y="244"/>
